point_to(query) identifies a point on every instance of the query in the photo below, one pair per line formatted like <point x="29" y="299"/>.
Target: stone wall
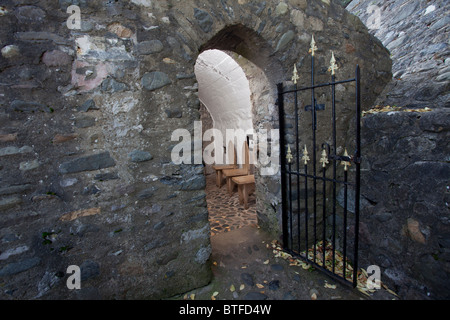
<point x="86" y="117"/>
<point x="404" y="222"/>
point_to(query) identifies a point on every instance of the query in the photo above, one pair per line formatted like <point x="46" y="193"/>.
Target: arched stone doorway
<point x="224" y="95"/>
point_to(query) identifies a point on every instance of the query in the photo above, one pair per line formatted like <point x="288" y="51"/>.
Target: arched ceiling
<point x="224" y="90"/>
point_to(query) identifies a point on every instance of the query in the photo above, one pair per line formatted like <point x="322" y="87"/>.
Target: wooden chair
<point x="244" y="171"/>
<point x="245" y="184"/>
<point x="220" y="168"/>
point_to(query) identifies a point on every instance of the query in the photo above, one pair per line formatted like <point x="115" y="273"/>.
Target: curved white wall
<point x="224" y="90"/>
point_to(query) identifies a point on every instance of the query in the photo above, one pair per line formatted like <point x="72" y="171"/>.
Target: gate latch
<point x="317" y="107"/>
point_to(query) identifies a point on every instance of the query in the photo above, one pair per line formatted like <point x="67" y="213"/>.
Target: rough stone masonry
<point x="86" y="117"/>
<point x="405" y="180"/>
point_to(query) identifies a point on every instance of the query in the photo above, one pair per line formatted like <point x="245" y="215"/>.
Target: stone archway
<point x="118" y="88"/>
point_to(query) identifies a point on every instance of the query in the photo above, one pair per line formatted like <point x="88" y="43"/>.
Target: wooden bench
<point x="244" y="171"/>
<point x="219" y="172"/>
<point x="245" y="184"/>
<point x="230" y="174"/>
<point x="220" y="168"/>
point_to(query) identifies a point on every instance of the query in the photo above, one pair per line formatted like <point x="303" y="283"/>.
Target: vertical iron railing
<point x="329" y="155"/>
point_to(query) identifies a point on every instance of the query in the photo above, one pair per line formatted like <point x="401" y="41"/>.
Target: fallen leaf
<point x="266" y="262"/>
<point x="314" y="296"/>
<point x="215" y="294"/>
<point x="232" y="288"/>
<point x="242" y="287"/>
<point x="192" y="296"/>
<point x="260" y="286"/>
<point x="329" y="286"/>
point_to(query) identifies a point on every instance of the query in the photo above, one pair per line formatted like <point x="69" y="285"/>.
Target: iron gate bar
<point x="281" y="115"/>
<point x="321" y="85"/>
<point x="287" y="172"/>
<point x="333" y="101"/>
<point x="314" y="126"/>
<point x="295" y="78"/>
<point x="358" y="171"/>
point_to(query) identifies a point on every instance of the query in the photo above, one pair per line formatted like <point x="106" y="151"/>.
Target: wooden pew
<point x="244" y="171"/>
<point x="245" y="185"/>
<point x="220" y="168"/>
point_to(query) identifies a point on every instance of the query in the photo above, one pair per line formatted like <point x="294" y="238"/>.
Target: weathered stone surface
<point x="203" y="255"/>
<point x="39" y="36"/>
<point x="107" y="176"/>
<point x="414" y="49"/>
<point x="15" y="189"/>
<point x="204" y="20"/>
<point x="89" y="163"/>
<point x="10" y="51"/>
<point x="120" y="30"/>
<point x="112" y="86"/>
<point x="84" y="122"/>
<point x="89" y="269"/>
<point x="28" y="106"/>
<point x="174" y="113"/>
<point x="29" y="165"/>
<point x="56" y="58"/>
<point x="195" y="183"/>
<point x="413" y="231"/>
<point x="8" y="137"/>
<point x="18" y="267"/>
<point x="285" y="39"/>
<point x="59" y="138"/>
<point x="29" y="14"/>
<point x="281" y="9"/>
<point x="88" y="105"/>
<point x="155" y="80"/>
<point x="10" y="151"/>
<point x="140" y="156"/>
<point x="150" y="47"/>
<point x="146" y="193"/>
<point x="79" y="214"/>
<point x="11" y="202"/>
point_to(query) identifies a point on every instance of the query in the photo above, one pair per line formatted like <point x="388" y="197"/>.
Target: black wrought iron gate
<point x="317" y="221"/>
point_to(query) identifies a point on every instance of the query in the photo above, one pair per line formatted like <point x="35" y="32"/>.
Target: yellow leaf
<point x="192" y="296"/>
<point x="266" y="262"/>
<point x="260" y="286"/>
<point x="232" y="288"/>
<point x="330" y="286"/>
<point x="306" y="266"/>
<point x="213" y="298"/>
<point x="242" y="287"/>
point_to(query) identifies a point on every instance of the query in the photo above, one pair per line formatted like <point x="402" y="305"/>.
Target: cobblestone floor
<point x="225" y="212"/>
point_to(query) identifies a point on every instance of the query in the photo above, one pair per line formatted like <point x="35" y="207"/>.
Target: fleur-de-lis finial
<point x="295" y="76"/>
<point x="313" y="48"/>
<point x="305" y="157"/>
<point x="333" y="66"/>
<point x="346" y="164"/>
<point x="324" y="159"/>
<point x="289" y="156"/>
